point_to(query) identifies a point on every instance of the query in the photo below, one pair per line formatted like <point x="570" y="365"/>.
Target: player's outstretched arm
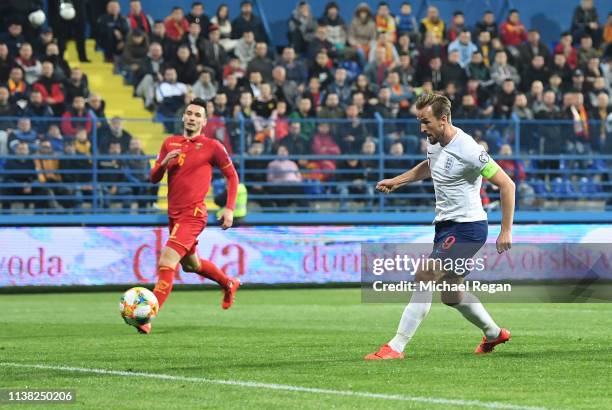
<point x="507" y="193"/>
<point x="420" y="172"/>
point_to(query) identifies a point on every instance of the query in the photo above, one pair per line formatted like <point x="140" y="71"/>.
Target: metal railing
<point x="554" y="164"/>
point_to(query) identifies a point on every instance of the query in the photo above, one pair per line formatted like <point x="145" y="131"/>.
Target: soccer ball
<point x="138" y="306"/>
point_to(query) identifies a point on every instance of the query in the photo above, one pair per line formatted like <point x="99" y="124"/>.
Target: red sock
<point x="211" y="271"/>
<point x="165" y="280"/>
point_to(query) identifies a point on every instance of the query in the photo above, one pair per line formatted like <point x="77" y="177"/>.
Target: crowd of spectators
<point x="321" y="92"/>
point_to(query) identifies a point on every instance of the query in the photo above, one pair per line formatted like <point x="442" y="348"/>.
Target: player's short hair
<point x="440" y="105"/>
<point x="199" y="102"/>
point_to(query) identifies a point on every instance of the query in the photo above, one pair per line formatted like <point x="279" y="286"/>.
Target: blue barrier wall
<point x="551" y="17"/>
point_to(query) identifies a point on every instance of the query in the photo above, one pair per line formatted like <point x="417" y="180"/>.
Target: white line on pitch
<point x="282" y="387"/>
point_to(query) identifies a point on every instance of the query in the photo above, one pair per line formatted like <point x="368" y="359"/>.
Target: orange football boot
<point x="230" y="293"/>
<point x="487" y="346"/>
<point x="385" y="353"/>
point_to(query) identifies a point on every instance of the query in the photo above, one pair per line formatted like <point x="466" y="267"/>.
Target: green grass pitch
<point x="559" y="356"/>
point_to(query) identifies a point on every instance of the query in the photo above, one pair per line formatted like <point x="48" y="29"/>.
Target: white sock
<point x="413" y="315"/>
<point x="471" y="309"/>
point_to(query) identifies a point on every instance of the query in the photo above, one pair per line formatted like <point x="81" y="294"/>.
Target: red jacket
<point x="70" y="127"/>
<point x="513" y="34"/>
<point x="56" y="92"/>
<point x="174" y="30"/>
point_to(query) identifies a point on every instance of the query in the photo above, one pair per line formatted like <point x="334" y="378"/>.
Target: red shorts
<point x="185" y="227"/>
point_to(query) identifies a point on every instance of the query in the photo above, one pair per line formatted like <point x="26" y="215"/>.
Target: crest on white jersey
<point x="448" y="164"/>
<point x="484" y="157"/>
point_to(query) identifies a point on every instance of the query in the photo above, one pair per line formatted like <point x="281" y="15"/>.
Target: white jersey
<point x="456" y="173"/>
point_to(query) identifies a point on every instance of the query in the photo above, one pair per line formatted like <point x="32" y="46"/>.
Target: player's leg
<point x="192" y="263"/>
<point x="414" y="313"/>
<point x="166" y="270"/>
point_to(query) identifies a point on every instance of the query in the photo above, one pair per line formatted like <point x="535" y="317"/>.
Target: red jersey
<point x="190" y="173"/>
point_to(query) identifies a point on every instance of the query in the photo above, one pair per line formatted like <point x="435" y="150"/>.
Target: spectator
<point x="550" y="133"/>
<point x="75" y="28"/>
<point x="314" y="93"/>
<point x="51" y="89"/>
<point x="185" y="65"/>
<point x="170" y="94"/>
<point x="284" y="89"/>
<point x="502" y="71"/>
<point x="331" y="110"/>
<point x="602" y="113"/>
<point x="6" y="63"/>
<point x="14" y="37"/>
<point x="556" y="86"/>
<point x="137" y="173"/>
<point x="433" y="24"/>
<point x="432" y="48"/>
<point x="566" y="48"/>
<point x="433" y="74"/>
<point x="324" y="144"/>
<point x="212" y="53"/>
<point x="18" y="88"/>
<point x="563" y="70"/>
<point x="295" y="69"/>
<point x="55" y="137"/>
<point x="586" y="50"/>
<point x="452" y="72"/>
<point x="580" y="141"/>
<point x="176" y="25"/>
<point x="504" y="100"/>
<point x="578" y="81"/>
<point x="341" y="87"/>
<point x="197" y="15"/>
<point x="521" y="110"/>
<point x="82" y="143"/>
<point x="205" y="88"/>
<point x="38" y="108"/>
<point x="535" y="97"/>
<point x="336" y="27"/>
<point x="537" y="71"/>
<point x="586" y="21"/>
<point x="111" y="133"/>
<point x="283" y="172"/>
<point x="264" y="106"/>
<point x="30" y="65"/>
<point x="137" y="18"/>
<point x="487" y="24"/>
<point x="400" y="94"/>
<point x="385" y="21"/>
<point x="321" y="69"/>
<point x="231" y="90"/>
<point x="193" y="40"/>
<point x="134" y="53"/>
<point x="245" y="48"/>
<point x="304" y="113"/>
<point x="61" y="69"/>
<point x="254" y="84"/>
<point x="112" y="29"/>
<point x="456" y="27"/>
<point x="512" y="31"/>
<point x="515" y="169"/>
<point x="47" y="169"/>
<point x="534" y="47"/>
<point x="362" y="31"/>
<point x="391" y="57"/>
<point x="406" y="22"/>
<point x="150" y="74"/>
<point x="96" y="105"/>
<point x="74" y="169"/>
<point x="295" y="143"/>
<point x="21" y="170"/>
<point x="593" y="71"/>
<point x="221" y="20"/>
<point x="76" y="118"/>
<point x="485" y="47"/>
<point x="599" y="87"/>
<point x="77" y="84"/>
<point x="113" y="178"/>
<point x="6" y="109"/>
<point x="377" y="71"/>
<point x="353" y="131"/>
<point x="23" y="134"/>
<point x="247" y="21"/>
<point x="478" y="70"/>
<point x="159" y="36"/>
<point x="464" y="46"/>
<point x="350" y="179"/>
<point x="301" y="28"/>
<point x="320" y="43"/>
<point x="261" y="62"/>
<point x="405" y="46"/>
<point x="468" y="109"/>
<point x="405" y="70"/>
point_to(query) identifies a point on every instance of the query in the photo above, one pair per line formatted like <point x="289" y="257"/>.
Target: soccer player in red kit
<point x="189" y="161"/>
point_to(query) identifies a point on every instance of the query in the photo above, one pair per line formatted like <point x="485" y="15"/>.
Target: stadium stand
<point x="312" y="122"/>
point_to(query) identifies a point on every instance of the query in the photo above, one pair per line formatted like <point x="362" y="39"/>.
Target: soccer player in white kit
<point x="456" y="163"/>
